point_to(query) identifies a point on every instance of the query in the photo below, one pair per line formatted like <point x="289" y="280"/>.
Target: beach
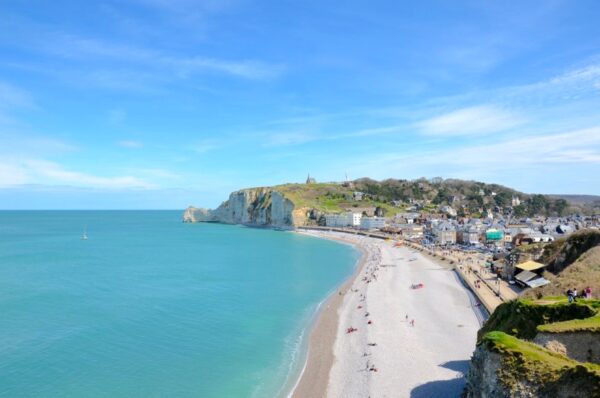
<point x="402" y="326"/>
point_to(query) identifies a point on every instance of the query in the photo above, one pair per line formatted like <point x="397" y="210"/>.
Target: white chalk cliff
<point x="255" y="206"/>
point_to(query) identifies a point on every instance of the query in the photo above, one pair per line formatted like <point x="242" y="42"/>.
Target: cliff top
<point x="331" y="198"/>
<point x="573" y="262"/>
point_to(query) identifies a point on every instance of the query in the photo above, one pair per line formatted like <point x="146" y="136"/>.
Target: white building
<point x="354" y="218"/>
<point x="348" y="219"/>
<point x="372" y="222"/>
<point x="448" y="210"/>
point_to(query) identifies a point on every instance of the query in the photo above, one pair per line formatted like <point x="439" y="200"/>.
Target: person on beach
<point x="412" y="323"/>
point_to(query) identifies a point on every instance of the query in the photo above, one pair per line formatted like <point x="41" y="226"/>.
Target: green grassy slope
<point x="330" y="198"/>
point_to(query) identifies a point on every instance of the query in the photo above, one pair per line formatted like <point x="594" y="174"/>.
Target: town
<point x="490" y="243"/>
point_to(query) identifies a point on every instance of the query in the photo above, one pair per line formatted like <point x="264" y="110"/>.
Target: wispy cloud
<point x="13" y="96"/>
<point x="482" y="119"/>
<point x="40" y="171"/>
<point x="33" y="145"/>
<point x="502" y="157"/>
<point x="128" y="58"/>
<point x="203" y="146"/>
<point x="288" y="138"/>
<point x="116" y="116"/>
<point x="130" y="144"/>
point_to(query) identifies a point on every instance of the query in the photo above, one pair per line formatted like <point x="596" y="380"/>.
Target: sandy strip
<point x="390" y="357"/>
<point x="315" y="377"/>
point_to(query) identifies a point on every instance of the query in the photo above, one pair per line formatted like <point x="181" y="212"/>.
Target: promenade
<point x="489" y="289"/>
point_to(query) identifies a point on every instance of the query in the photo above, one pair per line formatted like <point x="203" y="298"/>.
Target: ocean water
<point x="151" y="307"/>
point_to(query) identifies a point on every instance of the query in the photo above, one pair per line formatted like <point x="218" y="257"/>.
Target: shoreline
<point x="330" y="357"/>
<point x="314" y="377"/>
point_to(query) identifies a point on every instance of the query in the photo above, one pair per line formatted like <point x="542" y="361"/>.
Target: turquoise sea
<point x="151" y="307"/>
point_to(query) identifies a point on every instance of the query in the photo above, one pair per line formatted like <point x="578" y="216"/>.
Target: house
<point x="494" y="235"/>
<point x="515" y="201"/>
<point x="356" y="195"/>
<point x="369" y="223"/>
<point x="469" y="235"/>
<point x="412" y="231"/>
<point x="448" y="210"/>
<point x="564" y="229"/>
<point x="444" y="233"/>
<point x="310" y="180"/>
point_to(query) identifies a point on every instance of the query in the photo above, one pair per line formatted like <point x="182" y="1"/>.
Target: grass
<point x="528" y="366"/>
<point x="591" y="324"/>
<point x="329" y="198"/>
<point x="521" y="318"/>
<point x="504" y="343"/>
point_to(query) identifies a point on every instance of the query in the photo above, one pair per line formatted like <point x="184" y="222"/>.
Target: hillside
<point x="465" y="196"/>
<point x="586" y="204"/>
<point x="573" y="262"/>
<point x="396" y="195"/>
<point x="331" y="198"/>
<point x="300" y="204"/>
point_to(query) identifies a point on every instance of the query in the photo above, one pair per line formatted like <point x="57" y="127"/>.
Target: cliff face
<point x="257" y="206"/>
<point x="509" y="372"/>
<point x="581" y="346"/>
<point x="483" y="377"/>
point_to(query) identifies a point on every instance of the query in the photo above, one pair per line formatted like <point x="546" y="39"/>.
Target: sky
<point x="161" y="104"/>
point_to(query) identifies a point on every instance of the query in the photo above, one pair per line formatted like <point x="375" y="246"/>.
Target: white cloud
<point x="40" y="171"/>
<point x="12" y="96"/>
<point x="204" y="146"/>
<point x="505" y="157"/>
<point x="483" y="119"/>
<point x="289" y="138"/>
<point x="153" y="61"/>
<point x="130" y="144"/>
<point x="116" y="116"/>
<point x="32" y="145"/>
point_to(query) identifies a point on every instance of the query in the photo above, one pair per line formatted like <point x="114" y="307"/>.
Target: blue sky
<point x="166" y="103"/>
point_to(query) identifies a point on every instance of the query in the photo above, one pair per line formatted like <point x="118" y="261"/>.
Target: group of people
<point x="572" y="294"/>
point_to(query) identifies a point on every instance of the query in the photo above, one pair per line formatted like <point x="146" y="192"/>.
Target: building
<point x="444" y="233"/>
<point x="411" y="231"/>
<point x="357" y="195"/>
<point x="449" y="210"/>
<point x="372" y="222"/>
<point x="348" y="219"/>
<point x="494" y="235"/>
<point x="310" y="180"/>
<point x="469" y="235"/>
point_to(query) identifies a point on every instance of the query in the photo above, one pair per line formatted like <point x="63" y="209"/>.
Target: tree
<point x="520" y="210"/>
<point x="560" y="206"/>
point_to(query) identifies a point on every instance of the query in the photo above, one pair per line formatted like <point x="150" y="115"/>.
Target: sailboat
<point x="84" y="236"/>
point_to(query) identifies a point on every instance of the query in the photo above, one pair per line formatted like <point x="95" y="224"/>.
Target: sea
<point x="149" y="306"/>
